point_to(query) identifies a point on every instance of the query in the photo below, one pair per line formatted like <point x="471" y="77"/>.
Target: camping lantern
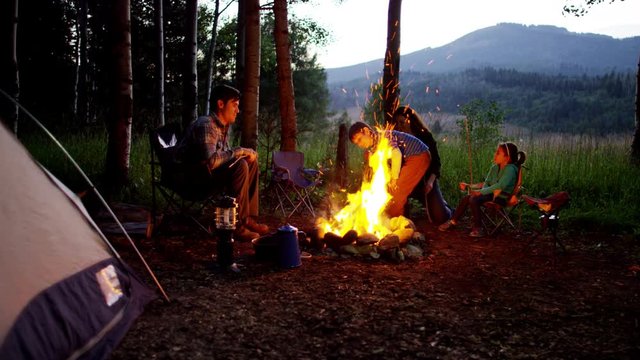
<point x="225" y="222"/>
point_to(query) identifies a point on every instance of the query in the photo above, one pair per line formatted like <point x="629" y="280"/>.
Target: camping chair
<point x="169" y="178"/>
<point x="293" y="183"/>
<point x="549" y="209"/>
<point x="497" y="213"/>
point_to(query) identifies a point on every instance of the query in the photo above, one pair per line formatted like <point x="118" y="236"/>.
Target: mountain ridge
<point x="528" y="48"/>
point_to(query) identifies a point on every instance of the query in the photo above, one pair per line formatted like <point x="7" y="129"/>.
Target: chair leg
<point x="280" y="193"/>
<point x="293" y="197"/>
<point x="496" y="218"/>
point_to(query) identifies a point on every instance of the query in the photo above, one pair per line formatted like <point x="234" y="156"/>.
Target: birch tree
<point x="81" y="106"/>
<point x="159" y="20"/>
<point x="189" y="74"/>
<point x="212" y="47"/>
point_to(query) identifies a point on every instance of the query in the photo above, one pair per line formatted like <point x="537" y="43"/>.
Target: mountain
<point x="540" y="48"/>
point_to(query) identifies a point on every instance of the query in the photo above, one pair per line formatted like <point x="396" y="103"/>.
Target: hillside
<point x="542" y="49"/>
<point x="544" y="77"/>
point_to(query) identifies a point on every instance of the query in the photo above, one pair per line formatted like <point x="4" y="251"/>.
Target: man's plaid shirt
<point x="205" y="141"/>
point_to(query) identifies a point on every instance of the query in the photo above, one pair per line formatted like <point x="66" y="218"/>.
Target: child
<point x="498" y="186"/>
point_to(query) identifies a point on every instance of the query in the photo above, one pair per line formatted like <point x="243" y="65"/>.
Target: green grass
<point x="595" y="171"/>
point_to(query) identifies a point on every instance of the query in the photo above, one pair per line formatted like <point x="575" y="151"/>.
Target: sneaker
<point x="255" y="226"/>
<point x="477" y="232"/>
<point x="242" y="234"/>
<point x="447" y="225"/>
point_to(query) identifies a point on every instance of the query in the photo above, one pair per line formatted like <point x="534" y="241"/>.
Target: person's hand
<point x="367" y="174"/>
<point x="428" y="186"/>
<point x="463" y="186"/>
<point x="247" y="153"/>
<point x="393" y="185"/>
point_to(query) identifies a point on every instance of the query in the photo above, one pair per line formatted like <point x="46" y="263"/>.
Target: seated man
<point x="409" y="161"/>
<point x="205" y="153"/>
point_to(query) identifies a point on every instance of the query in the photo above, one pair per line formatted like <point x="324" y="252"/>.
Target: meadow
<point x="594" y="170"/>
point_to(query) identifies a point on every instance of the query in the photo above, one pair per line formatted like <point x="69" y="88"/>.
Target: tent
<point x="64" y="294"/>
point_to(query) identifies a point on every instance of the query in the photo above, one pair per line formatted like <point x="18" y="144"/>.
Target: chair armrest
<point x="281" y="173"/>
<point x="310" y="175"/>
<point x="311" y="172"/>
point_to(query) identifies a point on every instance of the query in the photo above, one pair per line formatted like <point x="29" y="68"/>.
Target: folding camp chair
<point x="293" y="183"/>
<point x="171" y="180"/>
<point x="497" y="213"/>
<point x="549" y="209"/>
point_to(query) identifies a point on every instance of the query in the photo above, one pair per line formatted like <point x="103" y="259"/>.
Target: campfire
<point x="362" y="222"/>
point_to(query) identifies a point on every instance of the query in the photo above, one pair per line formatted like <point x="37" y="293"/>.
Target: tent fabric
<point x="62" y="293"/>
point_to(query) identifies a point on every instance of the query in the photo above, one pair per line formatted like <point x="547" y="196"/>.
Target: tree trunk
<point x="390" y="76"/>
<point x="251" y="84"/>
<point x="189" y="75"/>
<point x="159" y="12"/>
<point x="240" y="47"/>
<point x="82" y="82"/>
<point x="341" y="157"/>
<point x="285" y="79"/>
<point x="212" y="48"/>
<point x="635" y="145"/>
<point x="119" y="147"/>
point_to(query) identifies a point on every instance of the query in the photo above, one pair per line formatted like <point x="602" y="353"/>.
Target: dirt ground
<point x="505" y="297"/>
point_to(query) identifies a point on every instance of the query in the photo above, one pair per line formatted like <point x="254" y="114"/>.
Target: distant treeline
<point x="584" y="104"/>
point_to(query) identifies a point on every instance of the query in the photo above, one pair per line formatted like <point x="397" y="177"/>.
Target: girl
<point x="497" y="186"/>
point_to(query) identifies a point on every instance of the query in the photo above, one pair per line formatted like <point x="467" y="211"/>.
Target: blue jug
<point x="289" y="254"/>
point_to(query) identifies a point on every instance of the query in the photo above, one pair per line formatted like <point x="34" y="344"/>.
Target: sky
<point x="359" y="27"/>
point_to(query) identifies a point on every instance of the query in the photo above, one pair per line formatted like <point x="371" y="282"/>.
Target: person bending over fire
<point x="409" y="161"/>
<point x="497" y="186"/>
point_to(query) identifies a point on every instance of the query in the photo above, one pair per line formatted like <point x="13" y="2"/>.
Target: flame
<point x="364" y="211"/>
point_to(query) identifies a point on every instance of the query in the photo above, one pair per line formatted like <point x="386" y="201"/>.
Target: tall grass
<point x="595" y="171"/>
<point x="89" y="150"/>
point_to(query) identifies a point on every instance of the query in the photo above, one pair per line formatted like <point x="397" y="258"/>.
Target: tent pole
<point x="86" y="178"/>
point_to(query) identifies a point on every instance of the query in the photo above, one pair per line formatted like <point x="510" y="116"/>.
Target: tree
<point x="583" y="9"/>
<point x="374" y="106"/>
<point x="159" y="17"/>
<point x="251" y="79"/>
<point x="211" y="63"/>
<point x="81" y="107"/>
<point x="285" y="78"/>
<point x="190" y="72"/>
<point x="119" y="146"/>
<point x="482" y="122"/>
<point x="390" y="77"/>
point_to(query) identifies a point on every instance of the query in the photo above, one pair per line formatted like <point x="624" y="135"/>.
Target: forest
<point x="587" y="104"/>
<point x="63" y="94"/>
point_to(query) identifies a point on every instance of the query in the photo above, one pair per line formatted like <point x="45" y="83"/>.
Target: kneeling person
<point x="409" y="161"/>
